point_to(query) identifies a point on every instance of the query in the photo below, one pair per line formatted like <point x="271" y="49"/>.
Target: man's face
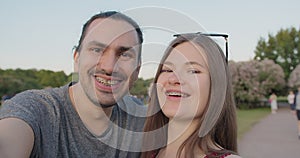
<point x="108" y="60"/>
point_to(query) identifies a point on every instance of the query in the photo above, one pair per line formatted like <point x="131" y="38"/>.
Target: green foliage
<point x="283" y="49"/>
<point x="15" y="81"/>
<point x="282" y="99"/>
<point x="73" y="77"/>
<point x="140" y="87"/>
<point x="18" y="80"/>
<point x="49" y="78"/>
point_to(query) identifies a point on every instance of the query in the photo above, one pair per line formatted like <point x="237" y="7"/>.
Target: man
<point x="297" y="108"/>
<point x="94" y="117"/>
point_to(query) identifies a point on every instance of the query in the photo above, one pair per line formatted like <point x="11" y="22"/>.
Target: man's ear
<point x="135" y="75"/>
<point x="76" y="60"/>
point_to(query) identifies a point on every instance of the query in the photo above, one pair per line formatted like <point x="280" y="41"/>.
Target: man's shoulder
<point x="41" y="94"/>
<point x="134" y="106"/>
<point x="131" y="114"/>
<point x="37" y="98"/>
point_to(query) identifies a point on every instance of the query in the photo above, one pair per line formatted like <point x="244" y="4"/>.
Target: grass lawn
<point x="247" y="118"/>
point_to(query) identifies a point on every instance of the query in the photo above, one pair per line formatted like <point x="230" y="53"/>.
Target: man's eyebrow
<point x="119" y="48"/>
<point x="99" y="44"/>
<point x="124" y="49"/>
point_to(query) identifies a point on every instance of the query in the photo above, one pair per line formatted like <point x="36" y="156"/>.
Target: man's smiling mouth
<point x="107" y="82"/>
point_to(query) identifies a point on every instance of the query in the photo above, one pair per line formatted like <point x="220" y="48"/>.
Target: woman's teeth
<point x="177" y="94"/>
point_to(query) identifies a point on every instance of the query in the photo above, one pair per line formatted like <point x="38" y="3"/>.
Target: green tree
<point x="49" y="78"/>
<point x="73" y="77"/>
<point x="15" y="81"/>
<point x="140" y="87"/>
<point x="283" y="49"/>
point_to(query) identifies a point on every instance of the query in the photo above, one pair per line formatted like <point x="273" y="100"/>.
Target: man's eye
<point x="126" y="55"/>
<point x="96" y="50"/>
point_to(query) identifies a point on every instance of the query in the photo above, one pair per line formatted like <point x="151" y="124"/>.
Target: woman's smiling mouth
<point x="172" y="93"/>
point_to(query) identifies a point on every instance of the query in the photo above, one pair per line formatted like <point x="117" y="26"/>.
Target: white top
<point x="291" y="98"/>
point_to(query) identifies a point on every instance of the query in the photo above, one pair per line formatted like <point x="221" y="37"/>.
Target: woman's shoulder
<point x="224" y="155"/>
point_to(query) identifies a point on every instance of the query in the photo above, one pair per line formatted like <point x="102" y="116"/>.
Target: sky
<point x="41" y="34"/>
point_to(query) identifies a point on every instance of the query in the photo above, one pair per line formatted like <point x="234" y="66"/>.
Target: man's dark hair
<point x="113" y="15"/>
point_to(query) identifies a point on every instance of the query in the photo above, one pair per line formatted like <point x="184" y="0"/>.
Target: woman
<point x="290" y="99"/>
<point x="273" y="102"/>
<point x="191" y="109"/>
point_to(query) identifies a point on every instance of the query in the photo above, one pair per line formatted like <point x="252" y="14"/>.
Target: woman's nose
<point x="174" y="79"/>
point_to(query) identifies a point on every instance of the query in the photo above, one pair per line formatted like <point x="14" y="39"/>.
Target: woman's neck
<point x="178" y="132"/>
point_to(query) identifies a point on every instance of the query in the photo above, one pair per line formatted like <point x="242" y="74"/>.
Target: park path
<point x="275" y="136"/>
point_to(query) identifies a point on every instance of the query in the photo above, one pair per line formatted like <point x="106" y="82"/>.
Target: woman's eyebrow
<point x="168" y="63"/>
<point x="195" y="63"/>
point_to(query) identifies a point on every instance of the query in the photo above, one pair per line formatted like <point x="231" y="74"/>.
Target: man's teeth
<point x="177" y="94"/>
<point x="106" y="82"/>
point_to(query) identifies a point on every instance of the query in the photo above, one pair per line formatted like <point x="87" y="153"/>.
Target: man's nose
<point x="108" y="62"/>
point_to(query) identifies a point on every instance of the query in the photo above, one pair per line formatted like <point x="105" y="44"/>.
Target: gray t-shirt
<point x="297" y="106"/>
<point x="59" y="131"/>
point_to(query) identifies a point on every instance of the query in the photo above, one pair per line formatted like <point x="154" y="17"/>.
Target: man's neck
<point x="95" y="118"/>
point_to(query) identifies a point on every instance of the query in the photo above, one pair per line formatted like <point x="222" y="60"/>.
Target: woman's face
<point x="183" y="86"/>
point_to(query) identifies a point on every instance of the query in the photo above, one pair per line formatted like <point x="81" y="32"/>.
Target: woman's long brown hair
<point x="217" y="127"/>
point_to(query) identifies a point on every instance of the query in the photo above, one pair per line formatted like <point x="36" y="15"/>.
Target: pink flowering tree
<point x="294" y="78"/>
<point x="253" y="80"/>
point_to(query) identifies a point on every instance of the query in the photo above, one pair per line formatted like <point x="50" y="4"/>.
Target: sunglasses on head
<point x="225" y="36"/>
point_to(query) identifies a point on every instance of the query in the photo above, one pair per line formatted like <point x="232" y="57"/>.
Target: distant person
<point x="297" y="108"/>
<point x="5" y="97"/>
<point x="92" y="118"/>
<point x="290" y="99"/>
<point x="273" y="102"/>
<point x="192" y="110"/>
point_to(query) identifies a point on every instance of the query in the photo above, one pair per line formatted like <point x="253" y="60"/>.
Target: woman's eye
<point x="194" y="71"/>
<point x="166" y="70"/>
